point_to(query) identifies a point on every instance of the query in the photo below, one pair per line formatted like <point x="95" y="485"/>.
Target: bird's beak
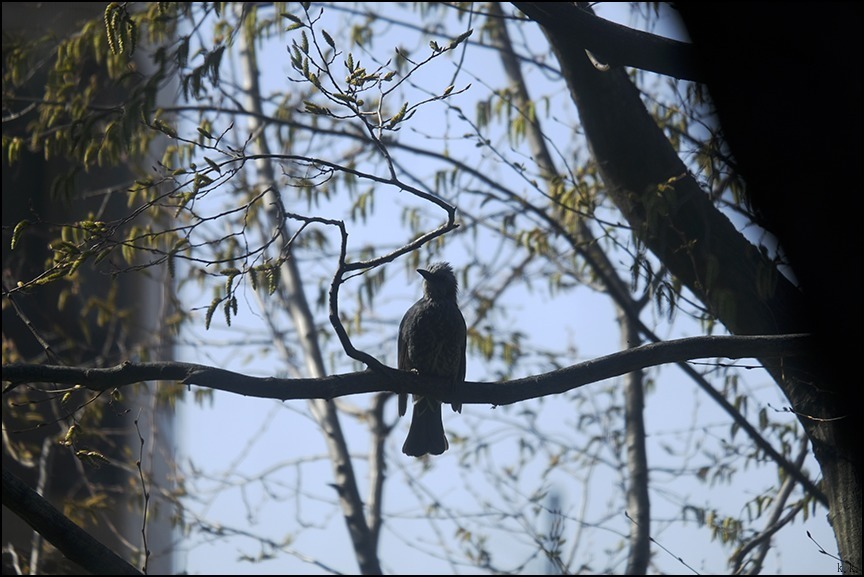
<point x="424" y="273"/>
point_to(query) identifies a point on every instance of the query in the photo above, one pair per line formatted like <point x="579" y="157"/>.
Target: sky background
<point x="270" y="449"/>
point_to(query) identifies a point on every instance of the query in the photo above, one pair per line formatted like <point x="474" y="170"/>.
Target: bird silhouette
<point x="432" y="339"/>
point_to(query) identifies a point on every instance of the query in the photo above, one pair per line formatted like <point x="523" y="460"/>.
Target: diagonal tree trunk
<point x="324" y="412"/>
<point x="638" y="501"/>
<point x="672" y="216"/>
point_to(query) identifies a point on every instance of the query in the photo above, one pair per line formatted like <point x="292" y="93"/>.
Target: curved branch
<point x="346" y="267"/>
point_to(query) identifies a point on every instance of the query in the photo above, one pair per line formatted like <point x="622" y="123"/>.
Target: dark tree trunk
<point x="675" y="219"/>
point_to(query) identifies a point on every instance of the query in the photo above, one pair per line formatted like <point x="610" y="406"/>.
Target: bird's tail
<point x="426" y="434"/>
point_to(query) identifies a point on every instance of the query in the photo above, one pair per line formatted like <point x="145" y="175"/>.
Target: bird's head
<point x="440" y="282"/>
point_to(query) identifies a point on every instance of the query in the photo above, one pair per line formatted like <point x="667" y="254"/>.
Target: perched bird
<point x="432" y="342"/>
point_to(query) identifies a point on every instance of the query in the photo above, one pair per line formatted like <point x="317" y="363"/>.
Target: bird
<point x="432" y="342"/>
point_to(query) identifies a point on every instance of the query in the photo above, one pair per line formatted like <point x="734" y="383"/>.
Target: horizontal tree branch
<point x="392" y="380"/>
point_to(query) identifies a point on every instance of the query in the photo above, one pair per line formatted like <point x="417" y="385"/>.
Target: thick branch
<point x="619" y="45"/>
<point x="662" y="202"/>
<point x="386" y="379"/>
<point x="70" y="539"/>
<point x="392" y="380"/>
